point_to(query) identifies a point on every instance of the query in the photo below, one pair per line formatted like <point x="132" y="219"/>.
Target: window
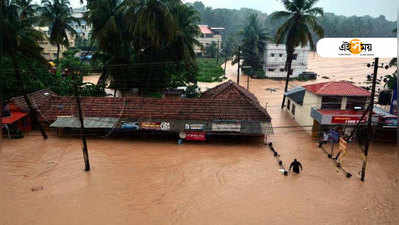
<point x="331" y="102"/>
<point x="270" y="69"/>
<point x="281" y="55"/>
<point x="282" y="70"/>
<point x="353" y="102"/>
<point x="272" y="55"/>
<point x="293" y="109"/>
<point x="288" y="104"/>
<point x="294" y="56"/>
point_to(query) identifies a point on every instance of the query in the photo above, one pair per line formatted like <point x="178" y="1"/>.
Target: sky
<point x="374" y="8"/>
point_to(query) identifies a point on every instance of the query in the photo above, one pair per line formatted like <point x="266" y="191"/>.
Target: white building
<point x="208" y="36"/>
<point x="275" y="57"/>
<point x="49" y="51"/>
<point x="84" y="28"/>
<point x="326" y="105"/>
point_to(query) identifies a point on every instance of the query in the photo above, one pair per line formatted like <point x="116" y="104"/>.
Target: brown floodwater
<point x="223" y="182"/>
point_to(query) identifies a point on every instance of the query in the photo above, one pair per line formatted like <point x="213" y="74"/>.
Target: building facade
<point x="207" y="37"/>
<point x="83" y="29"/>
<point x="227" y="109"/>
<point x="326" y="105"/>
<point x="49" y="51"/>
<point x="275" y="57"/>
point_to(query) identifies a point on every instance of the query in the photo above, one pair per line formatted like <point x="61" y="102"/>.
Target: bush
<point x="209" y="70"/>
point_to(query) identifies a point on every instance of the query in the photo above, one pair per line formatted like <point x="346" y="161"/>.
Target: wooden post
<point x="82" y="135"/>
<point x="238" y="67"/>
<point x="369" y="125"/>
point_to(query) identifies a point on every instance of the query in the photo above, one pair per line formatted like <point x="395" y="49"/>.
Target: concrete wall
<point x="206" y="41"/>
<point x="302" y="113"/>
<point x="275" y="57"/>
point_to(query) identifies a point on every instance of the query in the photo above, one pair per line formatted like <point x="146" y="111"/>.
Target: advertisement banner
<point x="226" y="127"/>
<point x="150" y="125"/>
<point x="195" y="136"/>
<point x="194" y="126"/>
<point x="346" y="119"/>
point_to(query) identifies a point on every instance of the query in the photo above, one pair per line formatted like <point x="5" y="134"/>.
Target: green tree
<point x="145" y="37"/>
<point x="57" y="15"/>
<point x="253" y="44"/>
<point x="300" y="21"/>
<point x="18" y="39"/>
<point x="211" y="50"/>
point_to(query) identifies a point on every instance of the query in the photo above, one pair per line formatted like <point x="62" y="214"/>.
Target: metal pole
<point x="238" y="68"/>
<point x="369" y="125"/>
<point x="83" y="136"/>
<point x="397" y="80"/>
<point x="247" y="81"/>
<point x="217" y="54"/>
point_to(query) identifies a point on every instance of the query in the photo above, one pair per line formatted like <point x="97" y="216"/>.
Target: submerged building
<point x="326" y="105"/>
<point x="227" y="109"/>
<point x="275" y="57"/>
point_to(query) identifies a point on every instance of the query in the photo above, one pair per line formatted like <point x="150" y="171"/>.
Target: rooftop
<point x="336" y="88"/>
<point x="239" y="105"/>
<point x="205" y="29"/>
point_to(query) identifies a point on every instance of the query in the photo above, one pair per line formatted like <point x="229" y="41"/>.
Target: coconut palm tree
<point x="57" y="15"/>
<point x="186" y="19"/>
<point x="19" y="39"/>
<point x="297" y="30"/>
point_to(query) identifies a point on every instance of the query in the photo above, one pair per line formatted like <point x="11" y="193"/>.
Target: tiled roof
<point x="230" y="90"/>
<point x="228" y="101"/>
<point x="38" y="98"/>
<point x="336" y="88"/>
<point x="205" y="29"/>
<point x="151" y="108"/>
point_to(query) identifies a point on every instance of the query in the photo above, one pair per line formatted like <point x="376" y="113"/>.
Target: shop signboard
<point x="130" y="125"/>
<point x="150" y="125"/>
<point x="226" y="126"/>
<point x="194" y="126"/>
<point x="164" y="126"/>
<point x="346" y="119"/>
<point x="195" y="136"/>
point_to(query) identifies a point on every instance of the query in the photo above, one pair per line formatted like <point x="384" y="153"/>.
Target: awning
<point x="89" y="122"/>
<point x="15" y="116"/>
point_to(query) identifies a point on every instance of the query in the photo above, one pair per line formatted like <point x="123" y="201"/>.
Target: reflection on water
<point x="159" y="182"/>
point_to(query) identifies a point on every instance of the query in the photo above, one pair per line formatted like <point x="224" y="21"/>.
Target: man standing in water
<point x="296" y="167"/>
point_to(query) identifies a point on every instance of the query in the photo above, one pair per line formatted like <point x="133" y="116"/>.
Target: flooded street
<point x="155" y="181"/>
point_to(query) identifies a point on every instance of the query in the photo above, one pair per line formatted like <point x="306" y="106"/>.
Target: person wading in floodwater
<point x="296" y="166"/>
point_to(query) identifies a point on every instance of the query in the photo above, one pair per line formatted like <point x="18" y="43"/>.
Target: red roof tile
<point x="151" y="108"/>
<point x="240" y="105"/>
<point x="205" y="29"/>
<point x="336" y="88"/>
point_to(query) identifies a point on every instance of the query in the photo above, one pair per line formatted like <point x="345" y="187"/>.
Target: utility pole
<point x="217" y="54"/>
<point x="82" y="135"/>
<point x="247" y="81"/>
<point x="238" y="67"/>
<point x="369" y="125"/>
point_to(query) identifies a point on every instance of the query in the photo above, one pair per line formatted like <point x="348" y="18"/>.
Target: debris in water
<point x="38" y="188"/>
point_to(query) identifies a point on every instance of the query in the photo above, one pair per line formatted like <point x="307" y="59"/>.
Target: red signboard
<point x="346" y="119"/>
<point x="195" y="136"/>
